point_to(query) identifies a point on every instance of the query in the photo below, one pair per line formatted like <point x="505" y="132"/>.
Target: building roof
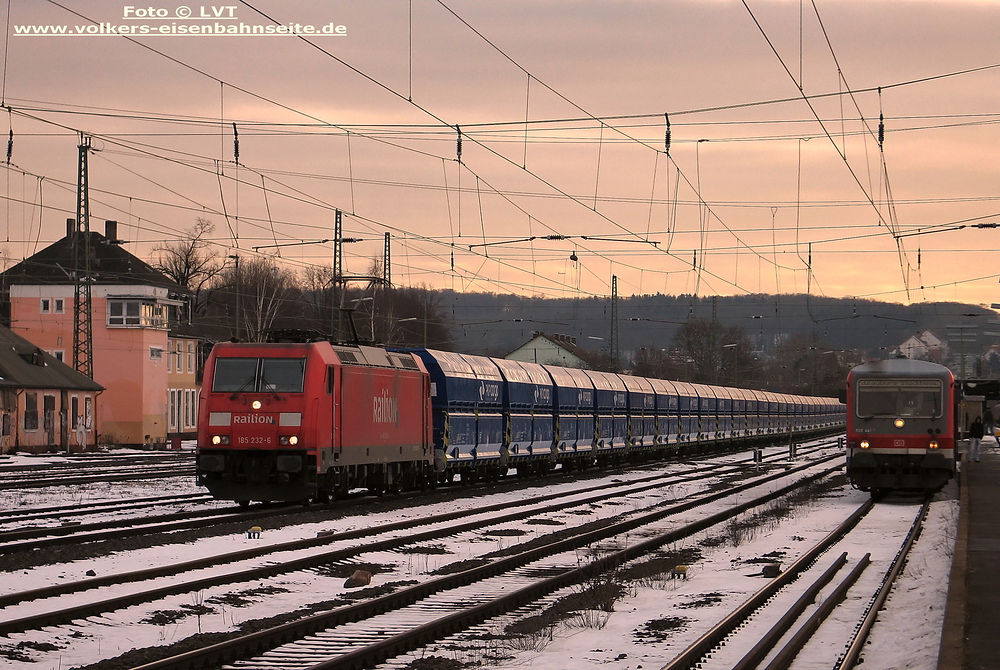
<point x="24" y="365"/>
<point x="564" y="342"/>
<point x="109" y="264"/>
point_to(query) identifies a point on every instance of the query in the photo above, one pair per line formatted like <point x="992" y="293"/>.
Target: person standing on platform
<point x="975" y="436"/>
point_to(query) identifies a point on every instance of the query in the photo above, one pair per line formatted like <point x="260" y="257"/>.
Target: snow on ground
<point x="649" y="626"/>
<point x="657" y="621"/>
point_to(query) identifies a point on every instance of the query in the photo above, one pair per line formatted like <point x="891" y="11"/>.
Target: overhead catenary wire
<point x="241" y="214"/>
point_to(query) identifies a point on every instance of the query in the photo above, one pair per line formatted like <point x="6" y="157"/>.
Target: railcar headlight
<point x="865" y="444"/>
<point x="899" y="423"/>
<point x="256" y="404"/>
<point x="934" y="444"/>
<point x="220" y="440"/>
<point x="288" y="440"/>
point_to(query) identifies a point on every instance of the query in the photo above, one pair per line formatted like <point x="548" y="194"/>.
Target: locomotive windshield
<point x="258" y="375"/>
<point x="918" y="398"/>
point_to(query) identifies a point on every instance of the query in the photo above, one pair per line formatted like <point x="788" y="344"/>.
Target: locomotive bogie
<point x="923" y="470"/>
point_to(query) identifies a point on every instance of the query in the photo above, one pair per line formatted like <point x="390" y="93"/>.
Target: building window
<point x="155" y="353"/>
<point x="59" y="355"/>
<point x="191" y="362"/>
<point x="172" y="401"/>
<point x="58" y="306"/>
<point x="136" y="314"/>
<point x="49" y="416"/>
<point x="46" y="306"/>
<point x="30" y="411"/>
<point x="190" y="404"/>
<point x="75" y="417"/>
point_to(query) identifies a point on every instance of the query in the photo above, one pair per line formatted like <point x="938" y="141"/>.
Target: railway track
<point x="774" y="627"/>
<point x="372" y="632"/>
<point x="588" y="534"/>
<point x="69" y="470"/>
<point x="326" y="546"/>
<point x="62" y="512"/>
<point x="39" y="535"/>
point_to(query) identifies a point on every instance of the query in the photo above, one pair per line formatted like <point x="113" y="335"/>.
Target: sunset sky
<point x="774" y="180"/>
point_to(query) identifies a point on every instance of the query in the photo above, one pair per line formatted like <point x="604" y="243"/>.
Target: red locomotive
<point x="900" y="426"/>
<point x="303" y="421"/>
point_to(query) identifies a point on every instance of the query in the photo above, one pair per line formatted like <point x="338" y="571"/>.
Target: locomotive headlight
<point x="256" y="404"/>
<point x="865" y="444"/>
<point x="220" y="440"/>
<point x="288" y="440"/>
<point x="899" y="423"/>
<point x="934" y="444"/>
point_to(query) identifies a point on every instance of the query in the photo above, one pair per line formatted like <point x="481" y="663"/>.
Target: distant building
<point x="133" y="307"/>
<point x="925" y="346"/>
<point x="553" y="349"/>
<point x="45" y="405"/>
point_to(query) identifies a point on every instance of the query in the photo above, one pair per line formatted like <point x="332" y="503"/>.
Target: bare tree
<point x="255" y="293"/>
<point x="656" y="362"/>
<point x="717" y="354"/>
<point x="804" y="364"/>
<point x="190" y="261"/>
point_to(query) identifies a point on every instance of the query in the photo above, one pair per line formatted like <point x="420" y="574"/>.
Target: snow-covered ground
<point x="655" y="620"/>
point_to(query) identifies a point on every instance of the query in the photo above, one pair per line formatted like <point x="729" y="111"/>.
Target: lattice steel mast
<point x="83" y="332"/>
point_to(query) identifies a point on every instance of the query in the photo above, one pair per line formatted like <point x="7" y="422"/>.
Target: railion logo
<point x="252" y="418"/>
<point x="385" y="408"/>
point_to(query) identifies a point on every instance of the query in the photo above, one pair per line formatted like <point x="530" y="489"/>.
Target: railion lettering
<point x="252" y="418"/>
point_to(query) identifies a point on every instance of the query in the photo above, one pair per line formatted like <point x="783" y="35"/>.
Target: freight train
<point x="310" y="421"/>
<point x="900" y="426"/>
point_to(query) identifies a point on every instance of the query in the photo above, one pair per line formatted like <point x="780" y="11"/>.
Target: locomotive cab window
<point x="281" y="375"/>
<point x="258" y="375"/>
<point x="917" y="398"/>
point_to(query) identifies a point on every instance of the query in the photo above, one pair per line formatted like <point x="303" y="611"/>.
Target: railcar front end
<point x="303" y="421"/>
<point x="900" y="426"/>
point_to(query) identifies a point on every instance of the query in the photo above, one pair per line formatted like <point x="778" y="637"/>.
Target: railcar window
<point x="918" y="398"/>
<point x="235" y="375"/>
<point x="258" y="375"/>
<point x="282" y="375"/>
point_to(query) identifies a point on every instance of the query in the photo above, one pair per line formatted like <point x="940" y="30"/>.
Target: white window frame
<point x="136" y="313"/>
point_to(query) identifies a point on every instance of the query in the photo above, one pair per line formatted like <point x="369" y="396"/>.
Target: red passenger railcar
<point x="900" y="425"/>
<point x="294" y="422"/>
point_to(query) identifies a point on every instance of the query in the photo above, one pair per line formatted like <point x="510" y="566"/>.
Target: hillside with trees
<point x="791" y="343"/>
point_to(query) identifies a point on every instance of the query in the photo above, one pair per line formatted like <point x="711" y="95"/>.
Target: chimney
<point x="70" y="227"/>
<point x="111" y="231"/>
